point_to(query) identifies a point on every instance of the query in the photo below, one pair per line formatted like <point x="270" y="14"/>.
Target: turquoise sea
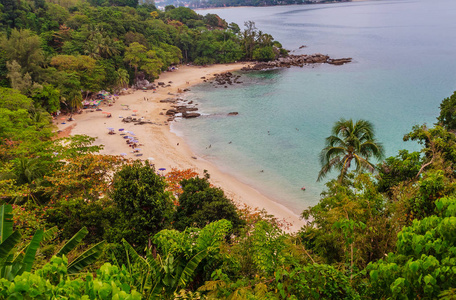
<point x="403" y="66"/>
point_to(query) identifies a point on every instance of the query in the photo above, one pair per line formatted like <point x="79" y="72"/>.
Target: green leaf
<point x="374" y="275"/>
<point x="86" y="258"/>
<point x="187" y="273"/>
<point x="50" y="234"/>
<point x="134" y="255"/>
<point x="31" y="250"/>
<point x="414" y="266"/>
<point x="6" y="221"/>
<point x="73" y="242"/>
<point x="428" y="278"/>
<point x="156" y="291"/>
<point x="439" y="205"/>
<point x="9" y="243"/>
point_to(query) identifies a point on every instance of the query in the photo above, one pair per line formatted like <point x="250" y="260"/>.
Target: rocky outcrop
<point x="233" y="113"/>
<point x="168" y="100"/>
<point x="188" y="115"/>
<point x="144" y="84"/>
<point x="339" y="61"/>
<point x="297" y="60"/>
<point x="185" y="111"/>
<point x="226" y="78"/>
<point x="136" y="121"/>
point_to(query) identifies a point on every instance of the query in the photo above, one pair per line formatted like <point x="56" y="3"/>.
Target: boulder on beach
<point x="190" y="115"/>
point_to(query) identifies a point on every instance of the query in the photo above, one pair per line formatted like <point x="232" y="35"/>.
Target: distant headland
<point x="196" y="4"/>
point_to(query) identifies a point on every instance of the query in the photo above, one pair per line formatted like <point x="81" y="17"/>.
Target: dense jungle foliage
<point x="75" y="224"/>
<point x="106" y="228"/>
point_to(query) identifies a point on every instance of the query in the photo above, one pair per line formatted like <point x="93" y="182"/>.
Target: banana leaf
<point x="6" y="221"/>
<point x="134" y="255"/>
<point x="50" y="234"/>
<point x="73" y="242"/>
<point x="190" y="268"/>
<point x="86" y="258"/>
<point x="155" y="293"/>
<point x="31" y="250"/>
<point x="9" y="243"/>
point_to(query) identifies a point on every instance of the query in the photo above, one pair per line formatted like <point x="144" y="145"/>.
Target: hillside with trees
<point x="51" y="51"/>
<point x="234" y="3"/>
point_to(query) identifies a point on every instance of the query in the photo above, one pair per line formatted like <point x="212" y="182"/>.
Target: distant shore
<point x="166" y="148"/>
<point x="229" y="7"/>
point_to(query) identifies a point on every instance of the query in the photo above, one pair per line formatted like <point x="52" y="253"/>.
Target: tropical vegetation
<point x="59" y="53"/>
<point x="75" y="224"/>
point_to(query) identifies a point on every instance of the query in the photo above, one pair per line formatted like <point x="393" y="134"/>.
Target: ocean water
<point x="403" y="67"/>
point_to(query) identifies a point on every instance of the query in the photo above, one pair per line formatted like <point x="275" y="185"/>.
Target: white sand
<point x="161" y="144"/>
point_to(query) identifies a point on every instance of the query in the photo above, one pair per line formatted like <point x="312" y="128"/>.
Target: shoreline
<point x="167" y="149"/>
<point x="280" y="5"/>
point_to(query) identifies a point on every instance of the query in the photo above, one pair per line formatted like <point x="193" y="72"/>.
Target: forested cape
<point x="75" y="224"/>
<point x="53" y="50"/>
<point x="230" y="3"/>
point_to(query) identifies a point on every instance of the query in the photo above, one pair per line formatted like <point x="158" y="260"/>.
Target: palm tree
<point x="123" y="77"/>
<point x="349" y="141"/>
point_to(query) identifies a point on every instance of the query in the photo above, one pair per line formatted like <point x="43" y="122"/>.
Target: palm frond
<point x="372" y="148"/>
<point x="333" y="163"/>
<point x="363" y="164"/>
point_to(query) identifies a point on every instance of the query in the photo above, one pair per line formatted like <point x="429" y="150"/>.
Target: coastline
<point x="244" y="6"/>
<point x="166" y="148"/>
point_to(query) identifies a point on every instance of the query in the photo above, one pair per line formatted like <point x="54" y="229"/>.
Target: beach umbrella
<point x="131" y="133"/>
<point x="162" y="169"/>
<point x="138" y="149"/>
<point x="62" y="118"/>
<point x="106" y="113"/>
<point x="110" y="128"/>
<point x="135" y="110"/>
<point x="123" y="154"/>
<point x="121" y="129"/>
<point x="150" y="158"/>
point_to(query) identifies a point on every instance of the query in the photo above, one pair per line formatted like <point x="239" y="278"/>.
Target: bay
<point x="403" y="67"/>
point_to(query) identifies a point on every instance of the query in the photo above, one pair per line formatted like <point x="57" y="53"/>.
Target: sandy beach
<point x="166" y="148"/>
